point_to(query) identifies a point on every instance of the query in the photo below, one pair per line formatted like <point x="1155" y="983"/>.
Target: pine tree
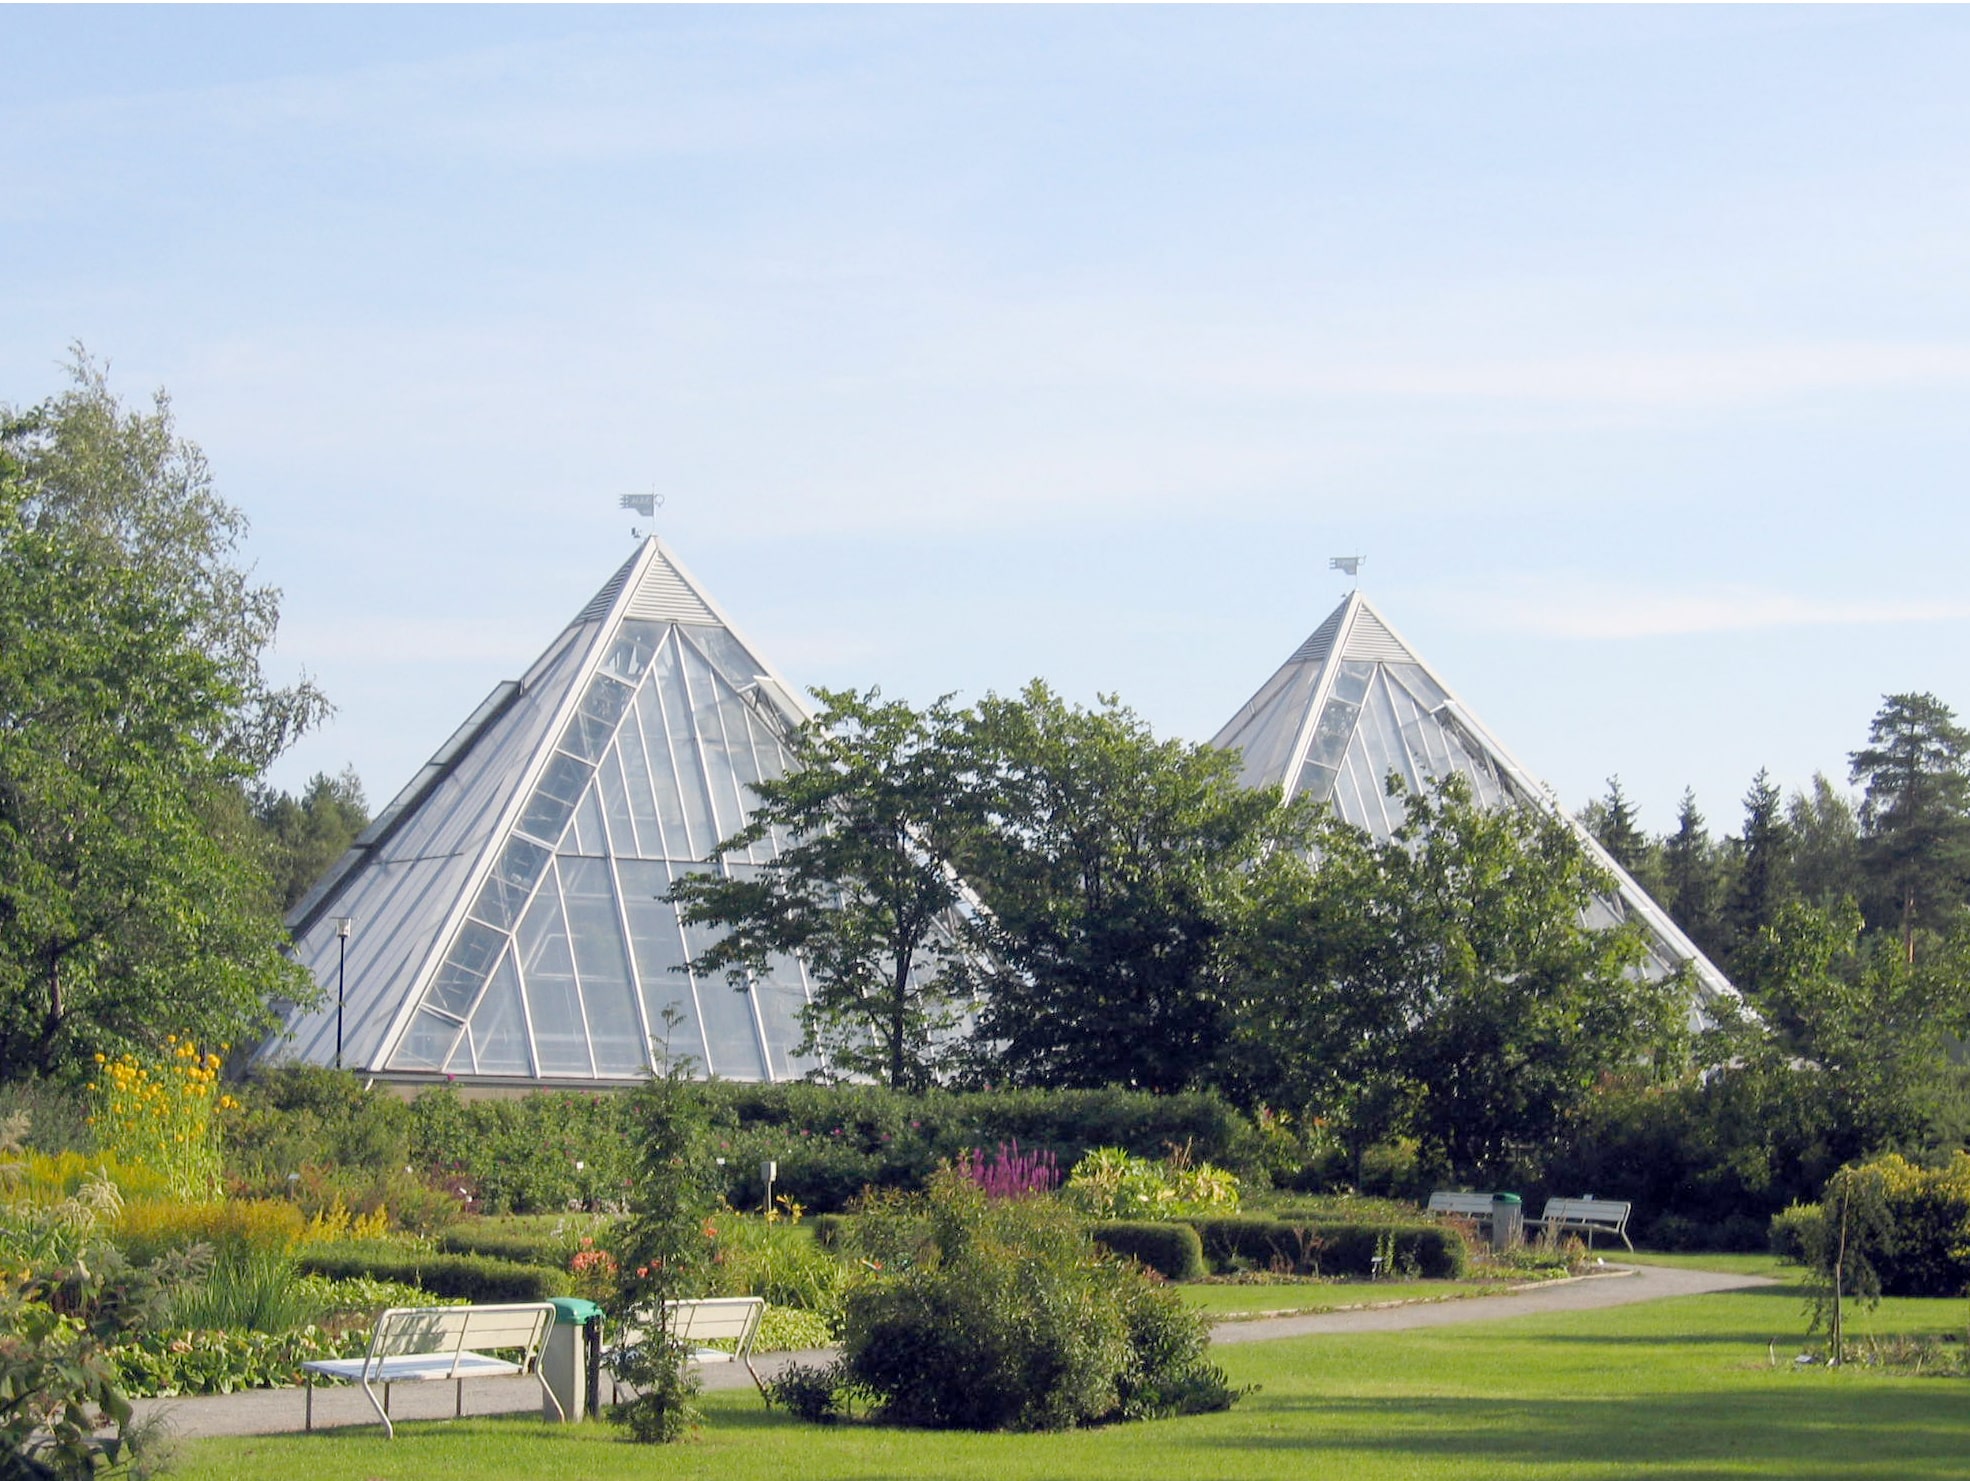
<point x="1763" y="880"/>
<point x="1690" y="877"/>
<point x="1915" y="823"/>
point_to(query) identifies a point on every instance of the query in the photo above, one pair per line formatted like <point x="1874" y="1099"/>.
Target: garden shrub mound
<point x="467" y="1277"/>
<point x="1926" y="1248"/>
<point x="1432" y="1251"/>
<point x="1002" y="1315"/>
<point x="1172" y="1250"/>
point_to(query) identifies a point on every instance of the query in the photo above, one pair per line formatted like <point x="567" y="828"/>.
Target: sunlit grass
<point x="1702" y="1387"/>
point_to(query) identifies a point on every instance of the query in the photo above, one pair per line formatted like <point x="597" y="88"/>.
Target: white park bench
<point x="1588" y="1215"/>
<point x="412" y="1344"/>
<point x="1462" y="1205"/>
<point x="733" y="1319"/>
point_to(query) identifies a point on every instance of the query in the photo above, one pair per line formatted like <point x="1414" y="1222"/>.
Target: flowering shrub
<point x="161" y="1116"/>
<point x="1109" y="1183"/>
<point x="594" y="1270"/>
<point x="1010" y="1173"/>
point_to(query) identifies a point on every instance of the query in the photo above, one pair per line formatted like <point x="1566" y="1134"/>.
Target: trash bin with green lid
<point x="572" y="1356"/>
<point x="1507" y="1221"/>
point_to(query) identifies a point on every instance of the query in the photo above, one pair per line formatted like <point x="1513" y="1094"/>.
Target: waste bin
<point x="1507" y="1221"/>
<point x="572" y="1358"/>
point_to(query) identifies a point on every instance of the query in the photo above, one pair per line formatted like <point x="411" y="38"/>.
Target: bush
<point x="1432" y="1251"/>
<point x="1173" y="1251"/>
<point x="57" y="1386"/>
<point x="1796" y="1232"/>
<point x="780" y="1261"/>
<point x="146" y="1230"/>
<point x="468" y="1277"/>
<point x="1110" y="1183"/>
<point x="1924" y="1249"/>
<point x="1011" y="1321"/>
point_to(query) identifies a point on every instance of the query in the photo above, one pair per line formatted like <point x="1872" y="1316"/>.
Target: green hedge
<point x="1329" y="1249"/>
<point x="521" y="1247"/>
<point x="1171" y="1250"/>
<point x="468" y="1277"/>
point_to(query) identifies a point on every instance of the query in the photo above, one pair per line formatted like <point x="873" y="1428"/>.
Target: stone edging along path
<point x="279" y="1411"/>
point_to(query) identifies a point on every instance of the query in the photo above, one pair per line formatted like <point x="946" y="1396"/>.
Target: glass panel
<point x="547" y="971"/>
<point x="728" y="655"/>
<point x="623" y="839"/>
<point x="658" y="944"/>
<point x="731" y="1040"/>
<point x="781" y="998"/>
<point x="465" y="967"/>
<point x="1331" y="736"/>
<point x="709" y="696"/>
<point x="553" y="802"/>
<point x="635" y="645"/>
<point x="1316" y="781"/>
<point x="427" y="1043"/>
<point x="460" y="1062"/>
<point x="615" y="1032"/>
<point x="1352" y="681"/>
<point x="513" y="878"/>
<point x="590" y="837"/>
<point x="701" y="833"/>
<point x="499" y="1031"/>
<point x="1413" y="677"/>
<point x="595" y="721"/>
<point x="659" y="819"/>
<point x="1378" y="741"/>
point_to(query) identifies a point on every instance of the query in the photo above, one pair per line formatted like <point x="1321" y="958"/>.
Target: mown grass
<point x="1684" y="1389"/>
<point x="1229" y="1300"/>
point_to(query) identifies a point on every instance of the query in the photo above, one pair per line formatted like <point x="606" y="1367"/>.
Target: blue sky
<point x="1631" y="346"/>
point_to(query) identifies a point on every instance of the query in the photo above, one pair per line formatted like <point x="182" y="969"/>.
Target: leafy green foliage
<point x="1295" y="1247"/>
<point x="998" y="1314"/>
<point x="304" y="835"/>
<point x="857" y="885"/>
<point x="1108" y="861"/>
<point x="57" y="1387"/>
<point x="132" y="708"/>
<point x="664" y="1248"/>
<point x="1442" y="984"/>
<point x="467" y="1277"/>
<point x="1110" y="1183"/>
<point x="1171" y="1249"/>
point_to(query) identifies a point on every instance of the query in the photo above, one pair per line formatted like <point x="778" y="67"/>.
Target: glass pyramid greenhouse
<point x="1356" y="702"/>
<point x="507" y="925"/>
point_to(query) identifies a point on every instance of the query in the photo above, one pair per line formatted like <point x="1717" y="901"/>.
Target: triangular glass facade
<point x="1356" y="702"/>
<point x="508" y="919"/>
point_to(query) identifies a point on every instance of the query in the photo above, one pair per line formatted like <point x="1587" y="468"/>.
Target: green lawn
<point x="1328" y="1295"/>
<point x="1681" y="1389"/>
<point x="1761" y="1264"/>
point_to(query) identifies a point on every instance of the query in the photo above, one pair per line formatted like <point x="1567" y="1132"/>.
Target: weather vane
<point x="646" y="505"/>
<point x="1351" y="564"/>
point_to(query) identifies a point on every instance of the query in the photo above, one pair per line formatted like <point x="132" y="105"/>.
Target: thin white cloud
<point x="1600" y="614"/>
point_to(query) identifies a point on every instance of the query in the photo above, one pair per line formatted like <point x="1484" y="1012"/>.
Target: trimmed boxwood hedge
<point x="1173" y="1251"/>
<point x="522" y="1248"/>
<point x="1328" y="1249"/>
<point x="468" y="1277"/>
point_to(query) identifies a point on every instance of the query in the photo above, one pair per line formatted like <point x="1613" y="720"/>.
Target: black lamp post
<point x="342" y="924"/>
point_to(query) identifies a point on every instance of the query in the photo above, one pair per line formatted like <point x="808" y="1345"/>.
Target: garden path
<point x="279" y="1411"/>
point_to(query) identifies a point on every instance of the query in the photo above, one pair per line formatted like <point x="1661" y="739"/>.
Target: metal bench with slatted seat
<point x="733" y="1319"/>
<point x="1462" y="1205"/>
<point x="1588" y="1216"/>
<point x="414" y="1344"/>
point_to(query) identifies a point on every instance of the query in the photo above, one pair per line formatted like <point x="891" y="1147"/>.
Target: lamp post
<point x="342" y="924"/>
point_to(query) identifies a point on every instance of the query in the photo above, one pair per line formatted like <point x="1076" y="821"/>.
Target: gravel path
<point x="279" y="1411"/>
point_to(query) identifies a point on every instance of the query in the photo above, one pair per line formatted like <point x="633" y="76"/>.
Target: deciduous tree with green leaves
<point x="132" y="709"/>
<point x="1443" y="982"/>
<point x="857" y="885"/>
<point x="1110" y="863"/>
